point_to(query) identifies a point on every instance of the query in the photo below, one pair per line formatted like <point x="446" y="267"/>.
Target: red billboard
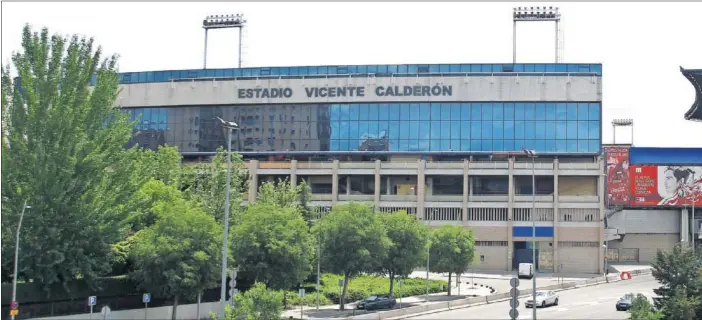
<point x="617" y="176"/>
<point x="670" y="186"/>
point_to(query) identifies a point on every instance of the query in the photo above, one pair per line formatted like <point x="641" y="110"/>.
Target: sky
<point x="641" y="45"/>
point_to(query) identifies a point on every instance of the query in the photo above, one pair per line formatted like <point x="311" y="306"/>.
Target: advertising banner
<point x="668" y="186"/>
<point x="617" y="176"/>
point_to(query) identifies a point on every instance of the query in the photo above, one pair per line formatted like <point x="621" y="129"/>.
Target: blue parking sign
<point x="92" y="300"/>
<point x="146" y="298"/>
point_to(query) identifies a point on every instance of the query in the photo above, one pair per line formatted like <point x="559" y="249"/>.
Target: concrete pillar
<point x="510" y="209"/>
<point x="293" y="172"/>
<point x="601" y="192"/>
<point x="684" y="226"/>
<point x="253" y="180"/>
<point x="348" y="185"/>
<point x="421" y="165"/>
<point x="388" y="185"/>
<point x="335" y="181"/>
<point x="376" y="181"/>
<point x="556" y="214"/>
<point x="466" y="190"/>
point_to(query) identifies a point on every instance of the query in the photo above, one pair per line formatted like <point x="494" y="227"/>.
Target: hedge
<point x="362" y="287"/>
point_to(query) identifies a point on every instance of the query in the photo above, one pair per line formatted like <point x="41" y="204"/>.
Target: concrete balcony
<point x="614" y="233"/>
<point x="398" y="168"/>
<point x="488" y="168"/>
<point x="579" y="169"/>
<point x="579" y="199"/>
<point x="356" y="197"/>
<point x="321" y="197"/>
<point x="540" y="168"/>
<point x="453" y="168"/>
<point x="488" y="198"/>
<point x="314" y="168"/>
<point x="357" y="168"/>
<point x="444" y="198"/>
<point x="274" y="165"/>
<point x="538" y="198"/>
<point x="398" y="198"/>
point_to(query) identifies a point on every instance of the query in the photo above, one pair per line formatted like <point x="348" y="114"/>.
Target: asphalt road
<point x="595" y="302"/>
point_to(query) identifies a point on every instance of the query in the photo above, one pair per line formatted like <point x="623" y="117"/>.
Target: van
<point x="526" y="270"/>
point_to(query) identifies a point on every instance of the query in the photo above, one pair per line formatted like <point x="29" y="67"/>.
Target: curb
<point x="472" y="302"/>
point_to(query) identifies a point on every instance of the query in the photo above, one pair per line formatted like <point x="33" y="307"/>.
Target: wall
<point x="495" y="258"/>
<point x="577" y="186"/>
<point x="579" y="260"/>
<point x="185" y="312"/>
<point x="659" y="221"/>
<point x="648" y="244"/>
<point x="474" y="88"/>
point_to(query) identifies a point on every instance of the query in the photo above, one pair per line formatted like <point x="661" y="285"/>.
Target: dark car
<point x="624" y="303"/>
<point x="376" y="302"/>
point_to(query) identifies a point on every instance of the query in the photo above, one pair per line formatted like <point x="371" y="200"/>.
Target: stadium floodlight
<point x="538" y="14"/>
<point x="223" y="22"/>
<point x="622" y="123"/>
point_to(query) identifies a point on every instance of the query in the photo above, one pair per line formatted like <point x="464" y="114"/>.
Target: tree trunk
<point x="392" y="283"/>
<point x="449" y="284"/>
<point x="175" y="308"/>
<point x="342" y="299"/>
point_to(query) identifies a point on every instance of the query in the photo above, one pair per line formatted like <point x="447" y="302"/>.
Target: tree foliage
<point x="353" y="240"/>
<point x="408" y="249"/>
<point x="274" y="245"/>
<point x="179" y="255"/>
<point x="452" y="250"/>
<point x="63" y="151"/>
<point x="678" y="272"/>
<point x="258" y="303"/>
<point x="283" y="194"/>
<point x="641" y="309"/>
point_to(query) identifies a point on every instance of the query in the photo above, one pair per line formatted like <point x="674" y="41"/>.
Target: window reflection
<point x="546" y="127"/>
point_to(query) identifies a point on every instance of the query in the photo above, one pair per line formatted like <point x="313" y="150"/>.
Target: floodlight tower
<point x="223" y="22"/>
<point x="535" y="14"/>
<point x="622" y="123"/>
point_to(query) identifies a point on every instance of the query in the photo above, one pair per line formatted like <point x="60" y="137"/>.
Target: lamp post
<point x="532" y="155"/>
<point x="17" y="238"/>
<point x="535" y="14"/>
<point x="622" y="123"/>
<point x="426" y="297"/>
<point x="223" y="22"/>
<point x="319" y="253"/>
<point x="229" y="126"/>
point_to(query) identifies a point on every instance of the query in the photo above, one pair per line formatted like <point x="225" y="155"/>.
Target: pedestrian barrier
<point x="625" y="275"/>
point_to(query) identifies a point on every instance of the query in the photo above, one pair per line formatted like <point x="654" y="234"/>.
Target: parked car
<point x="543" y="299"/>
<point x="624" y="303"/>
<point x="376" y="302"/>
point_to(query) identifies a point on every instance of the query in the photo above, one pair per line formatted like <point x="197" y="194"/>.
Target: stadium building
<point x="442" y="141"/>
<point x="695" y="78"/>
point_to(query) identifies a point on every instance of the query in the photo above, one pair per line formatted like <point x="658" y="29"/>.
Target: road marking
<point x="589" y="303"/>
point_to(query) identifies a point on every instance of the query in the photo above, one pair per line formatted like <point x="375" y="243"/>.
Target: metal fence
<point x="617" y="255"/>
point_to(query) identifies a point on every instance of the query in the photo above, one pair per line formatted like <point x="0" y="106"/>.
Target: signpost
<point x="92" y="301"/>
<point x="14" y="309"/>
<point x="146" y="298"/>
<point x="105" y="311"/>
<point x="514" y="295"/>
<point x="400" y="284"/>
<point x="302" y="303"/>
<point x="341" y="287"/>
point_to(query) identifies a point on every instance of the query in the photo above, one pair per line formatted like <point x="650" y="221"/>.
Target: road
<point x="595" y="302"/>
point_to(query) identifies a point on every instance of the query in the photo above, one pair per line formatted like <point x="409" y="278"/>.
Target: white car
<point x="543" y="299"/>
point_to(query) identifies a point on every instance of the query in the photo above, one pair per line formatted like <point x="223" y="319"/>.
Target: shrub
<point x="363" y="286"/>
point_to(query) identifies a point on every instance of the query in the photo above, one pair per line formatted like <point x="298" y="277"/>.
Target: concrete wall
<point x="580" y="260"/>
<point x="578" y="234"/>
<point x="659" y="221"/>
<point x="648" y="244"/>
<point x="185" y="312"/>
<point x="474" y="88"/>
<point x="495" y="258"/>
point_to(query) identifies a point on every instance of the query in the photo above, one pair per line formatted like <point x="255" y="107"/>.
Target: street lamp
<point x="229" y="126"/>
<point x="538" y="14"/>
<point x="319" y="253"/>
<point x="223" y="22"/>
<point x="532" y="154"/>
<point x="17" y="238"/>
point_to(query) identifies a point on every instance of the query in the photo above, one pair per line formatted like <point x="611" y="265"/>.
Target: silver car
<point x="543" y="299"/>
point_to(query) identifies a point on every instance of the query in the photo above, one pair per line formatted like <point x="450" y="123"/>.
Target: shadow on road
<point x="351" y="310"/>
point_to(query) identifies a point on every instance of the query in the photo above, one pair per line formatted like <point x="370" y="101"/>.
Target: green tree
<point x="452" y="250"/>
<point x="274" y="245"/>
<point x="63" y="151"/>
<point x="205" y="184"/>
<point x="641" y="309"/>
<point x="678" y="270"/>
<point x="282" y="193"/>
<point x="682" y="305"/>
<point x="258" y="303"/>
<point x="179" y="256"/>
<point x="408" y="247"/>
<point x="353" y="240"/>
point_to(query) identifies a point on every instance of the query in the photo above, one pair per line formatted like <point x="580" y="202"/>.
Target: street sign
<point x="235" y="291"/>
<point x="513" y="313"/>
<point x="514" y="282"/>
<point x="14" y="305"/>
<point x="514" y="292"/>
<point x="232" y="283"/>
<point x="341" y="282"/>
<point x="14" y="312"/>
<point x="105" y="311"/>
<point x="146" y="298"/>
<point x="92" y="300"/>
<point x="514" y="303"/>
<point x="302" y="293"/>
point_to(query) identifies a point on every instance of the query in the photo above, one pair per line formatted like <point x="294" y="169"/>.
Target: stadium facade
<point x="442" y="141"/>
<point x="695" y="78"/>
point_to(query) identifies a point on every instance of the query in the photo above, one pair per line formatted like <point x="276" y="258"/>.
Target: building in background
<point x="651" y="195"/>
<point x="695" y="77"/>
<point x="442" y="141"/>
